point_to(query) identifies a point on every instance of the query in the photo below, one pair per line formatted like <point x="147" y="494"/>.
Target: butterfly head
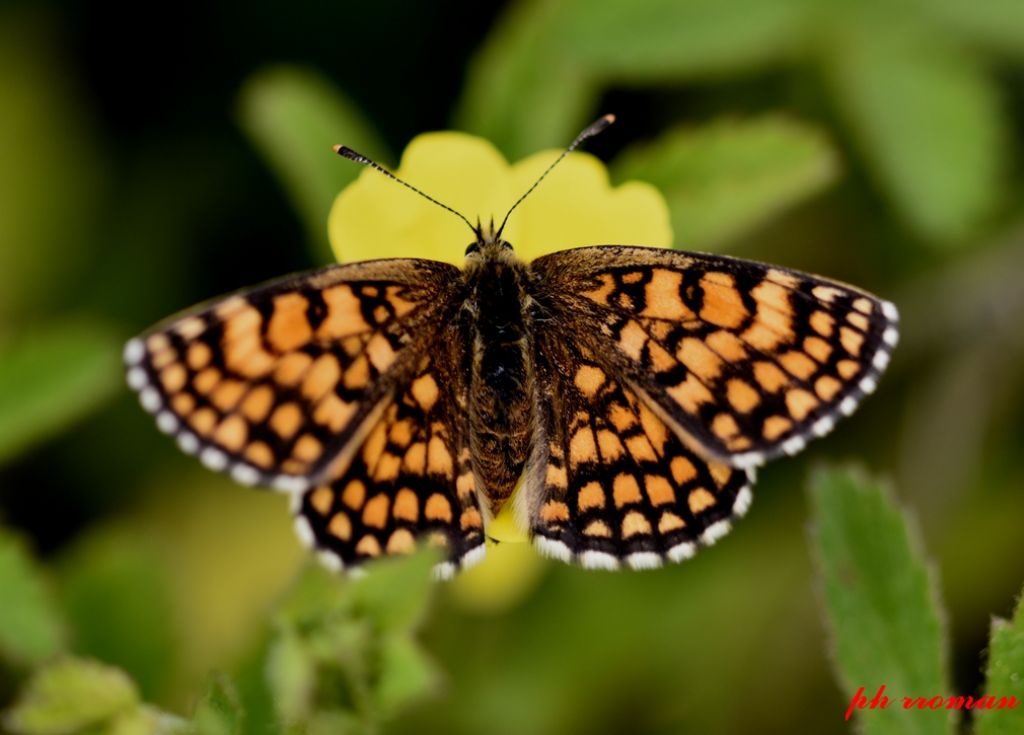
<point x="488" y="241"/>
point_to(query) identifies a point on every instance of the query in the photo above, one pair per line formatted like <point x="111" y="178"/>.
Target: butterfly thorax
<point x="501" y="369"/>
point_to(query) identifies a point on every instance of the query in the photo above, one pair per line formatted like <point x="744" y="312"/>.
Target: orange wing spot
<point x="368" y="546"/>
<point x="357" y="375"/>
<point x="190" y="327"/>
<point x="699" y="499"/>
<point x="291" y="368"/>
<point x="437" y="540"/>
<point x="203" y="420"/>
<point x="415" y="460"/>
<point x="183" y="404"/>
<point x="375" y="512"/>
<point x="259" y="454"/>
<point x="738" y="444"/>
<point x="589" y="380"/>
<point x="727" y="346"/>
<point x="158" y="343"/>
<point x="232" y="433"/>
<point x="333" y="412"/>
<point x="199" y="355"/>
<point x="173" y="377"/>
<point x="438" y="508"/>
<point x="293" y="466"/>
<point x="863" y="305"/>
<point x="340" y="526"/>
<point x="828" y="294"/>
<point x="848" y="368"/>
<point x="204" y="382"/>
<point x="761" y="338"/>
<point x="582" y="447"/>
<point x="782" y="278"/>
<point x="308" y="448"/>
<point x="248" y="359"/>
<point x="798" y="364"/>
<point x="591" y="496"/>
<point x="322" y="377"/>
<point x="289" y="327"/>
<point x="634" y="277"/>
<point x="380" y="314"/>
<point x="387" y="468"/>
<point x="610" y="446"/>
<point x="720" y="473"/>
<point x="661" y="360"/>
<point x="775" y="426"/>
<point x="690" y="394"/>
<point x="683" y="470"/>
<point x="659" y="331"/>
<point x="724" y="426"/>
<point x="407" y="506"/>
<point x="659" y="490"/>
<point x="823" y="323"/>
<point x="465" y="484"/>
<point x="699" y="359"/>
<point x="230" y="307"/>
<point x="601" y="293"/>
<point x="632" y="339"/>
<point x="161" y="360"/>
<point x="624" y="301"/>
<point x="344" y="316"/>
<point x="663" y="297"/>
<point x="742" y="396"/>
<point x="723" y="304"/>
<point x="257" y="403"/>
<point x="380" y="352"/>
<point x="818" y="348"/>
<point x="640" y="449"/>
<point x="858" y="320"/>
<point x="401" y="542"/>
<point x="670" y="522"/>
<point x="286" y="420"/>
<point x="799" y="403"/>
<point x="774" y="309"/>
<point x="635" y="524"/>
<point x="625" y="490"/>
<point x="826" y="387"/>
<point x="470" y="518"/>
<point x="554" y="511"/>
<point x="424" y="390"/>
<point x="227" y="395"/>
<point x="400" y="305"/>
<point x="769" y="376"/>
<point x="322" y="499"/>
<point x="556" y="477"/>
<point x="621" y="417"/>
<point x="401" y="433"/>
<point x="654" y="428"/>
<point x="439" y="459"/>
<point x="598" y="529"/>
<point x="851" y="340"/>
<point x="354" y="494"/>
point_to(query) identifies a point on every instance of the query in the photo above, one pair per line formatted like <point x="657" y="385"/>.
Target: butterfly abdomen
<point x="500" y="385"/>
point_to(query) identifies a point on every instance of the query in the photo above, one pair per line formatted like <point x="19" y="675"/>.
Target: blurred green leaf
<point x="294" y="116"/>
<point x="69" y="696"/>
<point x="52" y="375"/>
<point x="929" y="123"/>
<point x="726" y="178"/>
<point x="1005" y="677"/>
<point x="997" y="24"/>
<point x="118" y="568"/>
<point x="396" y="594"/>
<point x="31" y="628"/>
<point x="219" y="711"/>
<point x="880" y="603"/>
<point x="522" y="92"/>
<point x="671" y="39"/>
<point x="405" y="676"/>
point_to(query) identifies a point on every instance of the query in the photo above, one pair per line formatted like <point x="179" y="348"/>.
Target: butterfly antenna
<point x="588" y="132"/>
<point x="345" y="152"/>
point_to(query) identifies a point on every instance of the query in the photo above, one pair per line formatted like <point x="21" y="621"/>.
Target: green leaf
<point x="928" y="121"/>
<point x="668" y="39"/>
<point x="71" y="695"/>
<point x="51" y="376"/>
<point x="406" y="674"/>
<point x="219" y="711"/>
<point x="294" y="116"/>
<point x="726" y="178"/>
<point x="997" y="24"/>
<point x="31" y="628"/>
<point x="1005" y="677"/>
<point x="291" y="676"/>
<point x="395" y="595"/>
<point x="880" y="603"/>
<point x="522" y="92"/>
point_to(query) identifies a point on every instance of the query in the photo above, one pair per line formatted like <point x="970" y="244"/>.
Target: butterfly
<point x="398" y="402"/>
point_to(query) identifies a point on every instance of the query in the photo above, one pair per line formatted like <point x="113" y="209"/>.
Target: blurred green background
<point x="154" y="157"/>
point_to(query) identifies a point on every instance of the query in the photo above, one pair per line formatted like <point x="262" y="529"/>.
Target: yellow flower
<point x="576" y="205"/>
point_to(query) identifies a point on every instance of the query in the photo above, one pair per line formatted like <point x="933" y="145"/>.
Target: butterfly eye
<point x="506" y="245"/>
<point x="473" y="247"/>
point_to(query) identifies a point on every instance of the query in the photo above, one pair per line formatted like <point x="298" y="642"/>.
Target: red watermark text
<point x="882" y="701"/>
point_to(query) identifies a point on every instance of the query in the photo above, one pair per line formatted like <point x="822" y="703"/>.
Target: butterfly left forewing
<point x="744" y="361"/>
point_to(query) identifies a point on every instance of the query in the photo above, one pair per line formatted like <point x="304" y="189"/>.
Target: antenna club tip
<point x="337" y="148"/>
<point x="608" y="119"/>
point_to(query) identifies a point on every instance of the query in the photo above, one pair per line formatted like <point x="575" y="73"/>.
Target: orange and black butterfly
<point x="400" y="401"/>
